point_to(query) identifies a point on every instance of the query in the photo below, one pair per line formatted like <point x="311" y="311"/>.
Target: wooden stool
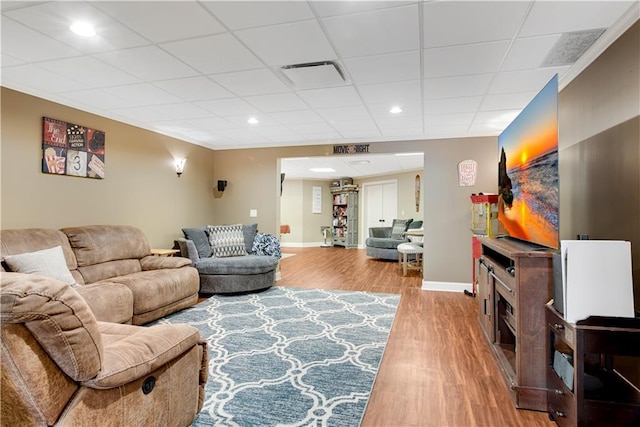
<point x="404" y="252"/>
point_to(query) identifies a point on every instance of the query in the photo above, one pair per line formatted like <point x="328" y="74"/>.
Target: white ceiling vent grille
<point x="315" y="75"/>
<point x="570" y="47"/>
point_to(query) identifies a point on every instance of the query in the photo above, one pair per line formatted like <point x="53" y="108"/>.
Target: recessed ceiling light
<point x="395" y="110"/>
<point x="253" y="121"/>
<point x="322" y="170"/>
<point x="83" y="29"/>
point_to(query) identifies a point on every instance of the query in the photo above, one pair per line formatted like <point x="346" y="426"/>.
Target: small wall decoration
<point x="467" y="172"/>
<point x="417" y="191"/>
<point x="70" y="149"/>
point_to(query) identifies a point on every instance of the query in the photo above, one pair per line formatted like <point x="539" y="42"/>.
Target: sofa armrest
<point x="188" y="250"/>
<point x="153" y="262"/>
<point x="131" y="352"/>
<point x="384" y="232"/>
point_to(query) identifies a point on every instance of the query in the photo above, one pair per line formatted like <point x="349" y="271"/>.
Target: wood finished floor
<point x="437" y="368"/>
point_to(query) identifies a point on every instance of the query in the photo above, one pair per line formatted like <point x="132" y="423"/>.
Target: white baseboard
<point x="446" y="286"/>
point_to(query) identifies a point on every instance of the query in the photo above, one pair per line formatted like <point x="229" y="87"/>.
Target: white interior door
<point x="381" y="204"/>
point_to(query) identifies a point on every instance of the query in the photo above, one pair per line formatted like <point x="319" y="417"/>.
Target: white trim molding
<point x="428" y="285"/>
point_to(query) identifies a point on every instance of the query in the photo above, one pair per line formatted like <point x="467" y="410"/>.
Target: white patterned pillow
<point x="226" y="240"/>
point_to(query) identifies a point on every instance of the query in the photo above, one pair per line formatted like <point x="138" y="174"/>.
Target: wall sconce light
<point x="180" y="166"/>
<point x="222" y="185"/>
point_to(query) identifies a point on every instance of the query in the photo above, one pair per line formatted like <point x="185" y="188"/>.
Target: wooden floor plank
<point x="437" y="368"/>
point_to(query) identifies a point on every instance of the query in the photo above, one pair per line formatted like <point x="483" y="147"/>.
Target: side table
<point x="164" y="252"/>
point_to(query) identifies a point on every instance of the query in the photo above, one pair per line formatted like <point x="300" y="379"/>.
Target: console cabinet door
<point x="485" y="299"/>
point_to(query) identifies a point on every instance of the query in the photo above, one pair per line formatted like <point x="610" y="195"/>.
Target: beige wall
<point x="254" y="182"/>
<point x="140" y="186"/>
<point x="599" y="117"/>
<point x="296" y="211"/>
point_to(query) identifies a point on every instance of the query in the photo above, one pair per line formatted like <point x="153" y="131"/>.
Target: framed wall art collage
<point x="70" y="149"/>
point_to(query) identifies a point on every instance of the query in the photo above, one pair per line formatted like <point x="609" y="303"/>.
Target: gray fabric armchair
<point x="383" y="241"/>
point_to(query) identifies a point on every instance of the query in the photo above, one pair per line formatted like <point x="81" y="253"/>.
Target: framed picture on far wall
<point x="71" y="149"/>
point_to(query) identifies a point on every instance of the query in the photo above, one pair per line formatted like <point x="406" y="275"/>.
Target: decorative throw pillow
<point x="47" y="262"/>
<point x="200" y="239"/>
<point x="226" y="240"/>
<point x="398" y="228"/>
<point x="249" y="231"/>
<point x="266" y="244"/>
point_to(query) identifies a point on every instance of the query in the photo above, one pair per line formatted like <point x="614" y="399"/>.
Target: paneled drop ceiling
<point x="198" y="70"/>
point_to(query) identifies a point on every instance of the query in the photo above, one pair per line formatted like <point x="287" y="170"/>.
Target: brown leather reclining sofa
<point x="69" y="356"/>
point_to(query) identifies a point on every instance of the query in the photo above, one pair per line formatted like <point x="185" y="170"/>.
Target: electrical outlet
<point x="253" y="213"/>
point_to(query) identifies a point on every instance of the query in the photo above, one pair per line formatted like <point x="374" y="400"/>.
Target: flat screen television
<point x="528" y="200"/>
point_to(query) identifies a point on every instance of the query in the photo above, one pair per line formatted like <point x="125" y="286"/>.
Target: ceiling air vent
<point x="315" y="75"/>
<point x="570" y="47"/>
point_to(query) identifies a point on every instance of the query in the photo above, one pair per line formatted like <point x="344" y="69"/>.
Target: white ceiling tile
<point x="523" y="81"/>
<point x="357" y="128"/>
<point x="149" y="63"/>
<point x="253" y="82"/>
<point x="238" y="134"/>
<point x="341" y="114"/>
<point x="311" y="128"/>
<point x="213" y="54"/>
<point x="462" y="120"/>
<point x="28" y="45"/>
<point x="55" y="18"/>
<point x="528" y="52"/>
<point x="462" y="22"/>
<point x="322" y="136"/>
<point x="180" y="111"/>
<point x="141" y="114"/>
<point x="276" y="102"/>
<point x="161" y="21"/>
<point x="228" y="107"/>
<point x="37" y="78"/>
<point x="332" y="8"/>
<point x="9" y="61"/>
<point x="507" y="101"/>
<point x="263" y="119"/>
<point x="212" y="123"/>
<point x="391" y="93"/>
<point x="274" y="131"/>
<point x="553" y="17"/>
<point x="456" y="87"/>
<point x="287" y="44"/>
<point x="467" y="104"/>
<point x="409" y="109"/>
<point x="330" y="97"/>
<point x="143" y="94"/>
<point x="194" y="89"/>
<point x="102" y="99"/>
<point x="500" y="116"/>
<point x="296" y="117"/>
<point x="370" y="33"/>
<point x="392" y="123"/>
<point x="393" y="67"/>
<point x="90" y="71"/>
<point x="246" y="14"/>
<point x="464" y="59"/>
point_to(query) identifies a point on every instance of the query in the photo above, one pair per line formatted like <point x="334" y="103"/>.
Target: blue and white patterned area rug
<point x="291" y="356"/>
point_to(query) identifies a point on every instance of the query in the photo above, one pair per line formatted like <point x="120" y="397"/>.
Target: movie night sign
<point x="351" y="149"/>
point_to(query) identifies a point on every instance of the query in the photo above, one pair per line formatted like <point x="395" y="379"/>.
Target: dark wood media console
<point x="515" y="281"/>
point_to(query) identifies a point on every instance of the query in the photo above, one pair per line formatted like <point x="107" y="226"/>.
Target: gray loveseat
<point x="233" y="274"/>
<point x="383" y="241"/>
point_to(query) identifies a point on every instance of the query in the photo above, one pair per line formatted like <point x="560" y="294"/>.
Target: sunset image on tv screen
<point x="528" y="171"/>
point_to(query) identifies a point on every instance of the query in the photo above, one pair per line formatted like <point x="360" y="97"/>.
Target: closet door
<point x="381" y="204"/>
